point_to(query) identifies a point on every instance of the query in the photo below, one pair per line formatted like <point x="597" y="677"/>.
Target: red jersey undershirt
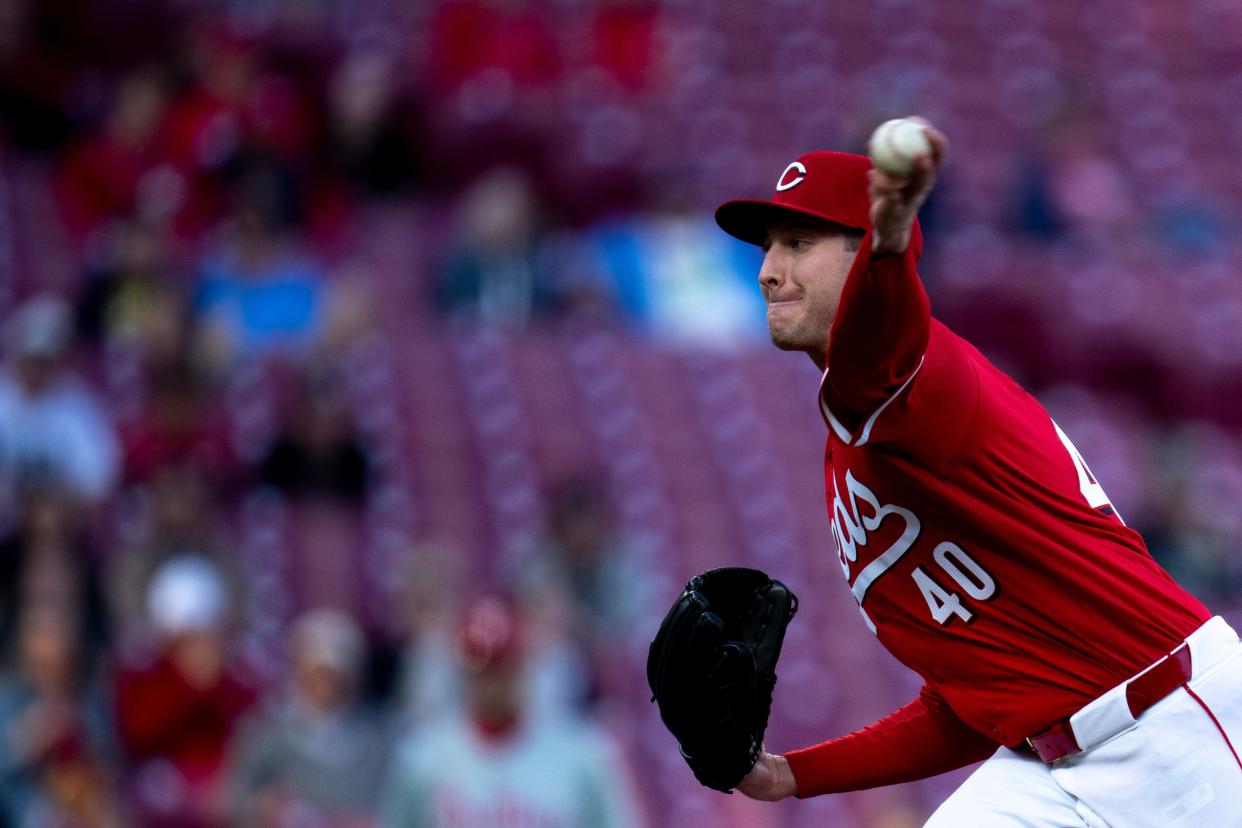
<point x="982" y="552"/>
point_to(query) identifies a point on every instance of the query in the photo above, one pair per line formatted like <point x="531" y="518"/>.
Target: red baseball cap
<point x="824" y="185"/>
<point x="491" y="633"/>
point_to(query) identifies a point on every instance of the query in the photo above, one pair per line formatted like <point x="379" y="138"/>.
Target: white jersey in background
<point x="550" y="773"/>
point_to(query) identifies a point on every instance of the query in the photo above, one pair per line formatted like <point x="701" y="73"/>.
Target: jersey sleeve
<point x="924" y="738"/>
<point x="880" y="331"/>
<point x="896" y="375"/>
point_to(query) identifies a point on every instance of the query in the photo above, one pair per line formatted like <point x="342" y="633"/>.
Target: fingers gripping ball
<point x="896" y="144"/>
<point x="712" y="669"/>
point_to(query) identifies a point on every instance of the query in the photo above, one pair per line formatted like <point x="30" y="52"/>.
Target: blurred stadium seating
<point x="1085" y="235"/>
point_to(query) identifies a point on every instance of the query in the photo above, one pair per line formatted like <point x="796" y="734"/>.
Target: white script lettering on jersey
<point x="851" y="528"/>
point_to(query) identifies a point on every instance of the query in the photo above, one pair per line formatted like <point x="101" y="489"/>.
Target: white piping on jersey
<point x="866" y="433"/>
<point x="836" y="425"/>
<point x="841" y="431"/>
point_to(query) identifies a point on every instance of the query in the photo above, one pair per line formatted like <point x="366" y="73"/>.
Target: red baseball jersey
<point x="980" y="549"/>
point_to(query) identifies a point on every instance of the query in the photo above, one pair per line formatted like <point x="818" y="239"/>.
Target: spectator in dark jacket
<point x="318" y="451"/>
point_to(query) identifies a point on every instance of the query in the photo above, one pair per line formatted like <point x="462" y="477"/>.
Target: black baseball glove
<point x="712" y="669"/>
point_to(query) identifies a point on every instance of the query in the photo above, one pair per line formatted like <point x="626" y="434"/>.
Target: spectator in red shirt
<point x="176" y="715"/>
<point x="624" y="41"/>
<point x="495" y="39"/>
<point x="179" y="427"/>
<point x="117" y="171"/>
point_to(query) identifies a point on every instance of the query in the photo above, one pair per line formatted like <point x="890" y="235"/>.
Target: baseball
<point x="895" y="144"/>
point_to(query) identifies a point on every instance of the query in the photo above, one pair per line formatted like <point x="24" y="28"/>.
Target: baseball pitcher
<point x="981" y="552"/>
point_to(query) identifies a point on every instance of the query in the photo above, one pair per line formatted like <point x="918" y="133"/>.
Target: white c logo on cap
<point x="782" y="184"/>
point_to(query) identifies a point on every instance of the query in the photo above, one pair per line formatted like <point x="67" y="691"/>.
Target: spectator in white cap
<point x="177" y="714"/>
<point x="316" y="753"/>
<point x="186" y="596"/>
<point x="54" y="430"/>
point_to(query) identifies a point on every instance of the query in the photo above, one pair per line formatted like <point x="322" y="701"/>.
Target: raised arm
<point x="880" y="331"/>
<point x="895" y="201"/>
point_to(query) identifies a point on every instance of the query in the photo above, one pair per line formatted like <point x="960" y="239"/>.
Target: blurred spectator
<point x="1088" y="188"/>
<point x="625" y="42"/>
<point x="179" y="427"/>
<point x="315" y="755"/>
<point x="581" y="582"/>
<point x="56" y="746"/>
<point x="34" y="76"/>
<point x="205" y="132"/>
<point x="1190" y="221"/>
<point x="501" y="268"/>
<point x="494" y="43"/>
<point x="120" y="171"/>
<point x="582" y="561"/>
<point x="178" y="712"/>
<point x="1034" y="212"/>
<point x="132" y="297"/>
<point x="1191" y="525"/>
<point x="318" y="452"/>
<point x="675" y="275"/>
<point x="430" y="617"/>
<point x="279" y="122"/>
<point x="427" y="614"/>
<point x="259" y="291"/>
<point x="494" y="763"/>
<point x="46" y="563"/>
<point x="54" y="429"/>
<point x="177" y="513"/>
<point x="1200" y="558"/>
<point x="372" y="136"/>
<point x="237" y="102"/>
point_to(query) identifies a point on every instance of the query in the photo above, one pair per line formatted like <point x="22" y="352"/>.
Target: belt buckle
<point x="1055" y="743"/>
<point x="1030" y="743"/>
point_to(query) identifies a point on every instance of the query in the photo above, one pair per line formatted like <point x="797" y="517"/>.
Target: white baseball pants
<point x="1178" y="765"/>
